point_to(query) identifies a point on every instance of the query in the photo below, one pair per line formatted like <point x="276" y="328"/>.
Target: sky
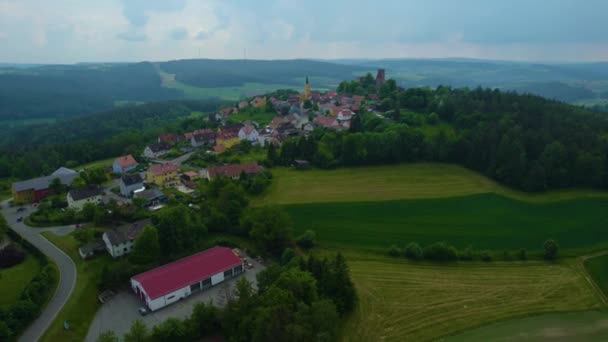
<point x="71" y="31"/>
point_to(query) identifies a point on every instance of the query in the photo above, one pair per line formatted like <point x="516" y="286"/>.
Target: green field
<point x="391" y="182"/>
<point x="597" y="267"/>
<point x="261" y="118"/>
<point x="83" y="304"/>
<point x="403" y="301"/>
<point x="576" y="326"/>
<point x="13" y="279"/>
<point x="96" y="164"/>
<point x="484" y="221"/>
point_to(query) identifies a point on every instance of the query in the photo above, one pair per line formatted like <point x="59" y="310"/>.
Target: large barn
<point x="169" y="283"/>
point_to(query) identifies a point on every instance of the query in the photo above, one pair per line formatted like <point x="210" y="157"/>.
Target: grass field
<point x="261" y="118"/>
<point x="390" y="182"/>
<point x="13" y="279"/>
<point x="83" y="304"/>
<point x="598" y="270"/>
<point x="575" y="326"/>
<point x="96" y="164"/>
<point x="402" y="301"/>
<point x="484" y="221"/>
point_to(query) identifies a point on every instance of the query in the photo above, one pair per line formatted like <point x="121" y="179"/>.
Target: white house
<point x="169" y="283"/>
<point x="129" y="183"/>
<point x="154" y="151"/>
<point x="249" y="133"/>
<point x="120" y="240"/>
<point x="77" y="198"/>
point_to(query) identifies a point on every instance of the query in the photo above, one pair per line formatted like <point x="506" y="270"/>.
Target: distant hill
<point x="29" y="93"/>
<point x="564" y="82"/>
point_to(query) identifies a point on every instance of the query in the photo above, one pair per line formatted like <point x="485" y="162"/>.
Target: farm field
<point x="598" y="270"/>
<point x="82" y="305"/>
<point x="403" y="301"/>
<point x="483" y="221"/>
<point x="575" y="326"/>
<point x="391" y="182"/>
<point x="13" y="279"/>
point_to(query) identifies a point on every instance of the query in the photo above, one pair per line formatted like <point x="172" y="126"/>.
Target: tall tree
<point x="147" y="247"/>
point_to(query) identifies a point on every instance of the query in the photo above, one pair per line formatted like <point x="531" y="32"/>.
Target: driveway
<point x="67" y="269"/>
<point x="125" y="305"/>
<point x="177" y="161"/>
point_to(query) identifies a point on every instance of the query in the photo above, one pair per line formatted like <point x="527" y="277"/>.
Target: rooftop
<point x="183" y="272"/>
<point x="125" y="161"/>
<point x="127" y="232"/>
<point x="132" y="179"/>
<point x="83" y="193"/>
<point x="161" y="169"/>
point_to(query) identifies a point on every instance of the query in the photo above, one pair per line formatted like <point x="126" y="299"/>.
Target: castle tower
<point x="306" y="93"/>
<point x="380" y="77"/>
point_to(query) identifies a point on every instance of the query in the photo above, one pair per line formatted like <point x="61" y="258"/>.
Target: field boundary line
<point x="581" y="265"/>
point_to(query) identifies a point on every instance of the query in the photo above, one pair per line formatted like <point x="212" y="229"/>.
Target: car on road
<point x="143" y="310"/>
<point x="20" y="218"/>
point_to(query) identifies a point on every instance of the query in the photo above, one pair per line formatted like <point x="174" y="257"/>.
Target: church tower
<point x="306" y="93"/>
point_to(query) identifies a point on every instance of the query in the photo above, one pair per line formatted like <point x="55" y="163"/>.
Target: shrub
<point x="486" y="256"/>
<point x="522" y="254"/>
<point x="506" y="256"/>
<point x="467" y="254"/>
<point x="413" y="251"/>
<point x="307" y="240"/>
<point x="440" y="251"/>
<point x="10" y="256"/>
<point x="394" y="251"/>
<point x="551" y="249"/>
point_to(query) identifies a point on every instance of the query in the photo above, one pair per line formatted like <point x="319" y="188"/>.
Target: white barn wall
<point x="217" y="278"/>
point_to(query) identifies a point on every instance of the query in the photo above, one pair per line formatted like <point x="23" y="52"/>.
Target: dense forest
<point x="229" y="73"/>
<point x="65" y="91"/>
<point x="36" y="150"/>
<point x="524" y="141"/>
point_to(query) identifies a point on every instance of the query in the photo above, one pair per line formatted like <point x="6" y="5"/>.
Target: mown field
<point x="391" y="182"/>
<point x="574" y="326"/>
<point x="13" y="279"/>
<point x="403" y="301"/>
<point x="82" y="305"/>
<point x="484" y="221"/>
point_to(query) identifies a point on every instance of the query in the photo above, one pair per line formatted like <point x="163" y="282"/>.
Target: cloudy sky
<point x="68" y="31"/>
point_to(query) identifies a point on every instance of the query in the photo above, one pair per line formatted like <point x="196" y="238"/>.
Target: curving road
<point x="67" y="268"/>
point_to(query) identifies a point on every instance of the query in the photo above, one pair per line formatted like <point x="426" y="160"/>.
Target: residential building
<point x="129" y="183"/>
<point x="243" y="104"/>
<point x="232" y="170"/>
<point x="169" y="283"/>
<point x="154" y="151"/>
<point x="124" y="164"/>
<point x="249" y="133"/>
<point x="190" y="176"/>
<point x="228" y="135"/>
<point x="120" y="240"/>
<point x="259" y="102"/>
<point x="163" y="175"/>
<point x="204" y="137"/>
<point x="151" y="197"/>
<point x="90" y="249"/>
<point x="33" y="190"/>
<point x="168" y="138"/>
<point x="77" y="198"/>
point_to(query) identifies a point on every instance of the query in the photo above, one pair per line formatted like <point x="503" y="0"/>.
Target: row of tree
<point x="441" y="251"/>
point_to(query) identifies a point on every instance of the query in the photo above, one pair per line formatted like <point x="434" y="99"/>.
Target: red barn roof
<point x="184" y="272"/>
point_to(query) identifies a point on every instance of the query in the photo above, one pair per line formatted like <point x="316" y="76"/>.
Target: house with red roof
<point x="162" y="174"/>
<point x="249" y="133"/>
<point x="169" y="283"/>
<point x="124" y="164"/>
<point x="232" y="170"/>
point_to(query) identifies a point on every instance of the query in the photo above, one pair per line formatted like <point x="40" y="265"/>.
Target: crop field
<point x="484" y="221"/>
<point x="403" y="301"/>
<point x="391" y="182"/>
<point x="574" y="326"/>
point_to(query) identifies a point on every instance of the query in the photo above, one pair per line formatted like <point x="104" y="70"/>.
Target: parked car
<point x="143" y="311"/>
<point x="20" y="218"/>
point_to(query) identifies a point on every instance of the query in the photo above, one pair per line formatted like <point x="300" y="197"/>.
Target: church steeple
<point x="306" y="93"/>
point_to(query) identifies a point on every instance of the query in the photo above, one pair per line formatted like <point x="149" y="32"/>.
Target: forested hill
<point x="40" y="149"/>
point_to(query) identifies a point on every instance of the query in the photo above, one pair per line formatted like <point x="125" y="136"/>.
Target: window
<point x="171" y="297"/>
<point x="228" y="273"/>
<point x="207" y="283"/>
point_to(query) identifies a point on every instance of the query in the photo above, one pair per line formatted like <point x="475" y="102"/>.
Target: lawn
<point x="575" y="326"/>
<point x="402" y="301"/>
<point x="261" y="118"/>
<point x="484" y="221"/>
<point x="83" y="304"/>
<point x="13" y="279"/>
<point x="95" y="164"/>
<point x="597" y="268"/>
<point x="390" y="182"/>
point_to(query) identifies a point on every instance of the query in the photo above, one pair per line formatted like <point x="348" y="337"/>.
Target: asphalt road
<point x="67" y="268"/>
